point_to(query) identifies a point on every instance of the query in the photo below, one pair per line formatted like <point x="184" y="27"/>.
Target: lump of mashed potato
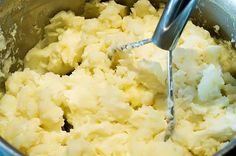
<point x="71" y="100"/>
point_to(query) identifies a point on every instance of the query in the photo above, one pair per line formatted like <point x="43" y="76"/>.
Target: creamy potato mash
<point x="117" y="107"/>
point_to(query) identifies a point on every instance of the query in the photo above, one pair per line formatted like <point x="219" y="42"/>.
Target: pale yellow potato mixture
<point x="118" y="107"/>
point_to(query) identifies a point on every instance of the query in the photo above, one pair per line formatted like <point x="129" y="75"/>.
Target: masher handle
<point x="172" y="23"/>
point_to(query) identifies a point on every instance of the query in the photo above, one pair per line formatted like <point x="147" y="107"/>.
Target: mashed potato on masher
<point x="71" y="99"/>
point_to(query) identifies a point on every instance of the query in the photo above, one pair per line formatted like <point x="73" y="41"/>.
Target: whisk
<point x="166" y="36"/>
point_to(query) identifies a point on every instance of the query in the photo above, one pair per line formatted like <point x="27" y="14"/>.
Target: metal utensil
<point x="7" y="150"/>
<point x="224" y="151"/>
<point x="31" y="14"/>
<point x="166" y="36"/>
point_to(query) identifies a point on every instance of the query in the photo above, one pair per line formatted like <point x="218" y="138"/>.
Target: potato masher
<point x="166" y="36"/>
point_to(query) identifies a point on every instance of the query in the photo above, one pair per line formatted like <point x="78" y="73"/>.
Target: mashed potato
<point x="69" y="83"/>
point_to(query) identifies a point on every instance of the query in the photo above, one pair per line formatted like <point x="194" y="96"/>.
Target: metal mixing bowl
<point x="22" y="23"/>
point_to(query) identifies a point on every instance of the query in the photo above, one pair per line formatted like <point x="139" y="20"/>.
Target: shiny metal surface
<point x="28" y="18"/>
<point x="172" y="23"/>
<point x="7" y="150"/>
<point x="173" y="20"/>
<point x="217" y="12"/>
<point x="229" y="147"/>
<point x="133" y="45"/>
<point x="169" y="28"/>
